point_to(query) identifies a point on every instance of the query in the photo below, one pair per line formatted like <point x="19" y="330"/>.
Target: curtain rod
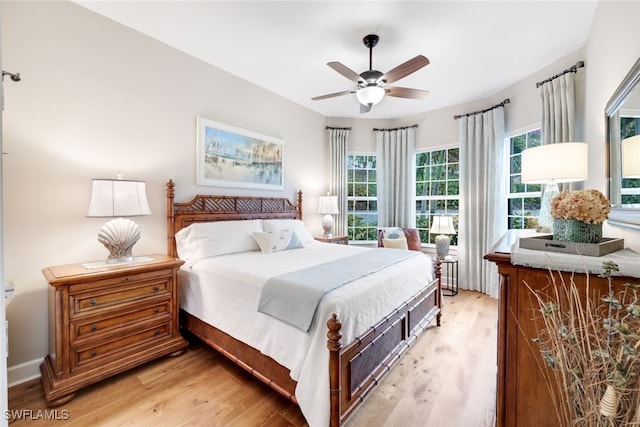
<point x="572" y="69"/>
<point x="502" y="104"/>
<point x="332" y="128"/>
<point x="389" y="130"/>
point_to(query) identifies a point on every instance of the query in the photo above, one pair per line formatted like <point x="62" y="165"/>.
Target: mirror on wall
<point x="623" y="121"/>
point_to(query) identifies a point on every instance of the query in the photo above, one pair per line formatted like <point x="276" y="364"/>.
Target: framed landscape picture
<point x="228" y="156"/>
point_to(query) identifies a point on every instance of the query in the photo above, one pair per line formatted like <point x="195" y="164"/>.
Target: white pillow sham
<point x="289" y="224"/>
<point x="210" y="239"/>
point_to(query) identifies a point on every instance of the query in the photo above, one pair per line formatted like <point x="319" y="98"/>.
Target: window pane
<point x="362" y="215"/>
<point x="522" y="212"/>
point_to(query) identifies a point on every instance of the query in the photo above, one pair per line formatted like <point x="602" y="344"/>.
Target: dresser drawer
<point x="95" y="326"/>
<point x="112" y="295"/>
<point x="103" y="351"/>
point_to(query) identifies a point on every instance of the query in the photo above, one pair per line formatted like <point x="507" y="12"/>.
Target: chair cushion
<point x="395" y="243"/>
<point x="411" y="235"/>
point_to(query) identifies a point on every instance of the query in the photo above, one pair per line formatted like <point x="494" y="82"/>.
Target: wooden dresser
<point x="103" y="321"/>
<point x="523" y="398"/>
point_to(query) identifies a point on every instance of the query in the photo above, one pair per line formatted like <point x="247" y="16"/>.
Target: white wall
<point x="97" y="98"/>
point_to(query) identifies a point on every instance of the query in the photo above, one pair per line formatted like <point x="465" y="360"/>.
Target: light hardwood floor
<point x="446" y="379"/>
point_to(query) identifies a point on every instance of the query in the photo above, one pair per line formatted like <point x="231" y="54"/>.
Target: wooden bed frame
<point x="354" y="370"/>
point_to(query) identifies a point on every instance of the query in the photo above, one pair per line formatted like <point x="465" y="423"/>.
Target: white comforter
<point x="225" y="291"/>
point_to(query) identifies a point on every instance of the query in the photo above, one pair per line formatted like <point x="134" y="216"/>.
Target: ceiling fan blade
<point x="331" y="95"/>
<point x="345" y="71"/>
<point x="405" y="92"/>
<point x="364" y="108"/>
<point x="405" y="69"/>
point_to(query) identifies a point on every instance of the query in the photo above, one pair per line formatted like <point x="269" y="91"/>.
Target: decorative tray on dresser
<point x="106" y="320"/>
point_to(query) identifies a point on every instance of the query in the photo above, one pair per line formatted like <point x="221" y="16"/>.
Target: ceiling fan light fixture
<point x="370" y="95"/>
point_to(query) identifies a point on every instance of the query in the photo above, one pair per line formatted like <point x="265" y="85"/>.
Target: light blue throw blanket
<point x="294" y="297"/>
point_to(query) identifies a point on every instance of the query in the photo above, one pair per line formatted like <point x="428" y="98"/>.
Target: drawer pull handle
<point x="93" y="302"/>
<point x="157" y="310"/>
<point x="126" y="279"/>
<point x="156" y="332"/>
<point x="94" y="327"/>
<point x="156" y="288"/>
<point x="93" y="352"/>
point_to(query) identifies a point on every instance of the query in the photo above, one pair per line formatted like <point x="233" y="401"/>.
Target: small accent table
<point x="340" y="240"/>
<point x="450" y="277"/>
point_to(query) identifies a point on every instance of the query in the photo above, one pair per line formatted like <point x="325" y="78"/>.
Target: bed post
<point x="438" y="272"/>
<point x="300" y="204"/>
<point x="334" y="345"/>
<point x="170" y="230"/>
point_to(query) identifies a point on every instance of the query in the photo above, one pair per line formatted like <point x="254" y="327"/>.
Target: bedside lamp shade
<point x="551" y="164"/>
<point x="442" y="225"/>
<point x="328" y="206"/>
<point x="117" y="198"/>
<point x="631" y="157"/>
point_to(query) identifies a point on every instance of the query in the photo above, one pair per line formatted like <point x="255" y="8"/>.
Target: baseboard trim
<point x="23" y="372"/>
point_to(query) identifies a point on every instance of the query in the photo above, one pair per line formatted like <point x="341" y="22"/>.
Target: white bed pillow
<point x="275" y="241"/>
<point x="289" y="224"/>
<point x="210" y="239"/>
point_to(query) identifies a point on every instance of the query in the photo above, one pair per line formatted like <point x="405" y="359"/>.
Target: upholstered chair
<point x="411" y="235"/>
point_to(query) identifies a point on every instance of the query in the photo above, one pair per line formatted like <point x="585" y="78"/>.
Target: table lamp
<point x="442" y="226"/>
<point x="631" y="157"/>
<point x="328" y="207"/>
<point x="552" y="164"/>
<point x="118" y="198"/>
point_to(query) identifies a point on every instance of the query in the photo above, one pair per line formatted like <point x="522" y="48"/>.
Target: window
<point x="362" y="198"/>
<point x="437" y="189"/>
<point x="524" y="199"/>
<point x="630" y="191"/>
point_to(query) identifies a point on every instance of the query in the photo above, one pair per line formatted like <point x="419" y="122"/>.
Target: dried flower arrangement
<point x="591" y="350"/>
<point x="589" y="206"/>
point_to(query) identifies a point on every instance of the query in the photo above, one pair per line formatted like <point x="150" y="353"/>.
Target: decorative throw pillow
<point x="275" y="241"/>
<point x="298" y="226"/>
<point x="392" y="233"/>
<point x="395" y="243"/>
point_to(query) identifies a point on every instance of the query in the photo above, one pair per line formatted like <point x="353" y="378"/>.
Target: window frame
<point x="426" y="238"/>
<point x="367" y="199"/>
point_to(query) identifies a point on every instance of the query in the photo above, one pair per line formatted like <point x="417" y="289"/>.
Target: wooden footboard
<point x="355" y="370"/>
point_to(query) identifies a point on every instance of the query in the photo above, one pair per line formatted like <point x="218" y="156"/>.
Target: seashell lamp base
<point x="118" y="236"/>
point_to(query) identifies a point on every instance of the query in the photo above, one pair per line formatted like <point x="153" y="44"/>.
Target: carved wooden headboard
<point x="209" y="208"/>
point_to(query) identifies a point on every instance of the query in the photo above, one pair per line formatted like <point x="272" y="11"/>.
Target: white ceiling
<point x="476" y="48"/>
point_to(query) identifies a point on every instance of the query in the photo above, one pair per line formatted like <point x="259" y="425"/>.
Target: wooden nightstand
<point x="103" y="321"/>
<point x="340" y="240"/>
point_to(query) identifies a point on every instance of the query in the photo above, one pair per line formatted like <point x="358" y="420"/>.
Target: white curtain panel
<point x="338" y="143"/>
<point x="395" y="157"/>
<point x="558" y="112"/>
<point x="483" y="204"/>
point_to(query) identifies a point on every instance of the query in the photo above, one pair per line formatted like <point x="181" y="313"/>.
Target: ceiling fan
<point x="372" y="84"/>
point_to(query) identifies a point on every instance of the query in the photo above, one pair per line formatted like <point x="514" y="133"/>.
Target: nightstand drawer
<point x="89" y="356"/>
<point x="111" y="296"/>
<point x="88" y="328"/>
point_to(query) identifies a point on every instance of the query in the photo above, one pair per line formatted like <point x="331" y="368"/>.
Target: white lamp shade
<point x="442" y="225"/>
<point x="118" y="198"/>
<point x="555" y="163"/>
<point x="631" y="157"/>
<point x="370" y="95"/>
<point x="328" y="205"/>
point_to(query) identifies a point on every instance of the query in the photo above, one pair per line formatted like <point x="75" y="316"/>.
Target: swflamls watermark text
<point x="36" y="414"/>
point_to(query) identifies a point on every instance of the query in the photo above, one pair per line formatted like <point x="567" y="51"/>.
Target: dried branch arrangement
<point x="590" y="347"/>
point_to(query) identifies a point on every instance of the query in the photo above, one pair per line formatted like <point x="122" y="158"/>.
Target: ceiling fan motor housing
<point x="370" y="78"/>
